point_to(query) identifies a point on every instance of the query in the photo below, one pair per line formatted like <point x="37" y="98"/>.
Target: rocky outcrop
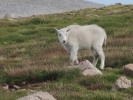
<point x="25" y="8"/>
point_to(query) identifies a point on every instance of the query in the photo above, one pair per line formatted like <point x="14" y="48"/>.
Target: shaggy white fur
<point x="76" y="37"/>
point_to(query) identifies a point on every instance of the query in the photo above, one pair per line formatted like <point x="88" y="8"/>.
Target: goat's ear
<point x="67" y="30"/>
<point x="56" y="29"/>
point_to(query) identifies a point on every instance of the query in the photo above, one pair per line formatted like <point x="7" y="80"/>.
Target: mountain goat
<point x="76" y="37"/>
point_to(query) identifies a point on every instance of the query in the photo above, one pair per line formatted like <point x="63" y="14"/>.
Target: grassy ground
<point x="30" y="52"/>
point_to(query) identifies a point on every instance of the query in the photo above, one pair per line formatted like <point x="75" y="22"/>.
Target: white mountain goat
<point x="76" y="37"/>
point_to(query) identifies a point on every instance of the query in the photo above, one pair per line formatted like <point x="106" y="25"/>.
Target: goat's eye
<point x="59" y="34"/>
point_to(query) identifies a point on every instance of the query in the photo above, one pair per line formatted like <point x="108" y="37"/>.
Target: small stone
<point x="121" y="83"/>
<point x="88" y="68"/>
<point x="12" y="89"/>
<point x="128" y="69"/>
<point x="38" y="96"/>
<point x="23" y="83"/>
<point x="5" y="86"/>
<point x="89" y="72"/>
<point x="16" y="87"/>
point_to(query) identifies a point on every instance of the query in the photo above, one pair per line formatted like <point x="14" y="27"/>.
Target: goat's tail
<point x="105" y="38"/>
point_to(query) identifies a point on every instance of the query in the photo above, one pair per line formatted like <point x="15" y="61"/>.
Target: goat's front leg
<point x="73" y="57"/>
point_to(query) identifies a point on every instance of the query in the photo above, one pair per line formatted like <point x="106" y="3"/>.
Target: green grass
<point x="30" y="52"/>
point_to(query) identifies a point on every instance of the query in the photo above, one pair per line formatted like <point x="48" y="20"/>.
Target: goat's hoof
<point x="101" y="69"/>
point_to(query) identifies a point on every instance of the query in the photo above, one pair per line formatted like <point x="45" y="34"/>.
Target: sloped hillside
<point x="32" y="57"/>
<point x="30" y="7"/>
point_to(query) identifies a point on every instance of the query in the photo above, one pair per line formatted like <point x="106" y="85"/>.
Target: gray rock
<point x="9" y="16"/>
<point x="89" y="72"/>
<point x="38" y="96"/>
<point x="88" y="68"/>
<point x="121" y="83"/>
<point x="128" y="69"/>
<point x="16" y="87"/>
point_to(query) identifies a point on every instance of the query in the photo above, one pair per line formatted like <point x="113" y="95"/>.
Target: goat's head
<point x="62" y="35"/>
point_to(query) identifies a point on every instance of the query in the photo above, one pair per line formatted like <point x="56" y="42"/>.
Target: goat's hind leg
<point x="95" y="57"/>
<point x="102" y="57"/>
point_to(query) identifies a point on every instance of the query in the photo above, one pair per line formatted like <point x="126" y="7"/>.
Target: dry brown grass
<point x="53" y="56"/>
<point x="18" y="59"/>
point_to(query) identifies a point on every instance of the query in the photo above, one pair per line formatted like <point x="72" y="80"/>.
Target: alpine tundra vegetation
<point x="32" y="57"/>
